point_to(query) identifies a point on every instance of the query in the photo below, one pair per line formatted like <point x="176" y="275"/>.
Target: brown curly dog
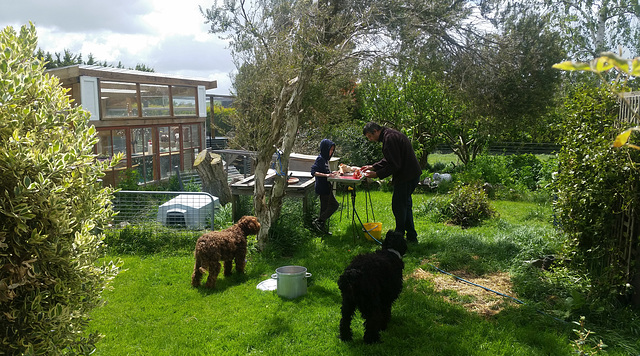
<point x="225" y="245"/>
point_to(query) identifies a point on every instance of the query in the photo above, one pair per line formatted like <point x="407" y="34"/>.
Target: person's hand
<point x="365" y="168"/>
<point x="371" y="174"/>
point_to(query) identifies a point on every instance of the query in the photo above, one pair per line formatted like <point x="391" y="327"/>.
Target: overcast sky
<point x="169" y="36"/>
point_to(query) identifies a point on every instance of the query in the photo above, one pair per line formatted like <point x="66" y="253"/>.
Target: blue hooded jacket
<point x="321" y="165"/>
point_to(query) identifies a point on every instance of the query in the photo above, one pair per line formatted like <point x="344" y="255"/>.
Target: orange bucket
<point x="373" y="228"/>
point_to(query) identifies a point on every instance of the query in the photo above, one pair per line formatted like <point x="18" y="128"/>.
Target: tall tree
<point x="428" y="34"/>
<point x="68" y="58"/>
<point x="508" y="81"/>
<point x="284" y="49"/>
<point x="412" y="102"/>
<point x="493" y="86"/>
<point x="588" y="27"/>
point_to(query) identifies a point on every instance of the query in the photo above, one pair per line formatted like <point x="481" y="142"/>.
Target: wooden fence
<point x="513" y="148"/>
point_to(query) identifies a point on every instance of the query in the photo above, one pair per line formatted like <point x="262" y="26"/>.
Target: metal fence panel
<point x="180" y="210"/>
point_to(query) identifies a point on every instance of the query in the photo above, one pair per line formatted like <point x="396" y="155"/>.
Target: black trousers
<point x="328" y="206"/>
<point x="402" y="207"/>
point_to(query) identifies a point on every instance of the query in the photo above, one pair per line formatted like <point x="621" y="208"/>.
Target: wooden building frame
<point x="156" y="121"/>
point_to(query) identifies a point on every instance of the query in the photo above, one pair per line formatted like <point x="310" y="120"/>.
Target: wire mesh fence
<point x="179" y="210"/>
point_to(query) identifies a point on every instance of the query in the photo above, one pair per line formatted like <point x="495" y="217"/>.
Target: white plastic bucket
<point x="291" y="281"/>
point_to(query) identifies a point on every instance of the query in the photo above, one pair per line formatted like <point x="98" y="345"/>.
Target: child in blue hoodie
<point x="320" y="169"/>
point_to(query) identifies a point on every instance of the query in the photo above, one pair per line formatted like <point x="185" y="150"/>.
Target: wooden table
<point x="301" y="189"/>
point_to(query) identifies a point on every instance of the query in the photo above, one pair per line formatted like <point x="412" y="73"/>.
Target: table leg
<point x="235" y="206"/>
<point x="353" y="213"/>
<point x="368" y="195"/>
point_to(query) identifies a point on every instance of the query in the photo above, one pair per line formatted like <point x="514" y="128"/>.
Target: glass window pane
<point x="195" y="134"/>
<point x="174" y="138"/>
<point x="163" y="133"/>
<point x="141" y="143"/>
<point x="119" y="141"/>
<point x="188" y="159"/>
<point x="184" y="101"/>
<point x="169" y="163"/>
<point x="144" y="166"/>
<point x="155" y="100"/>
<point x="148" y="168"/>
<point x="119" y="99"/>
<point x="104" y="147"/>
<point x="165" y="165"/>
<point x="175" y="162"/>
<point x="137" y="142"/>
<point x="148" y="141"/>
<point x="186" y="137"/>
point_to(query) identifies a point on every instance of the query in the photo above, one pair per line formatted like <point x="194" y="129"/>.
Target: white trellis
<point x="630" y="108"/>
<point x="627" y="226"/>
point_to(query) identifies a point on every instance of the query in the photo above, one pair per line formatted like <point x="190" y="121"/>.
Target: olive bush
<point x="52" y="208"/>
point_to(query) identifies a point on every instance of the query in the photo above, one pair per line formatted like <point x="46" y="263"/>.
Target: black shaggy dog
<point x="371" y="283"/>
<point x="223" y="246"/>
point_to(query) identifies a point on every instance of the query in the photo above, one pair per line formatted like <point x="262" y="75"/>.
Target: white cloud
<point x="167" y="35"/>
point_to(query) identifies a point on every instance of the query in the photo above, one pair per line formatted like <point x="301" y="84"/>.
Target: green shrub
<point x="469" y="206"/>
<point x="174" y="184"/>
<point x="492" y="169"/>
<point x="51" y="207"/>
<point x="595" y="183"/>
<point x="435" y="209"/>
<point x="439" y="167"/>
<point x="512" y="177"/>
<point x="147" y="239"/>
<point x="525" y="170"/>
<point x="223" y="217"/>
<point x="353" y="148"/>
<point x="128" y="180"/>
<point x="289" y="232"/>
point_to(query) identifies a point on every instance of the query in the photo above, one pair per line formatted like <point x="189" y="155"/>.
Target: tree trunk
<point x="284" y="116"/>
<point x="213" y="176"/>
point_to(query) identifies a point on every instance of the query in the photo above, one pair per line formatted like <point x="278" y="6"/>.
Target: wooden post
<point x="235" y="207"/>
<point x="214" y="179"/>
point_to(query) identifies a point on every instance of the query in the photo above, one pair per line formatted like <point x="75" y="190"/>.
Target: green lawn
<point x="153" y="310"/>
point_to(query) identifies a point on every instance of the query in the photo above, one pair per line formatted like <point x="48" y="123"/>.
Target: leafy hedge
<point x="595" y="184"/>
<point x="51" y="204"/>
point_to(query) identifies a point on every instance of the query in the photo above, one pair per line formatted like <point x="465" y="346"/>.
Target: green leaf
<point x="601" y="64"/>
<point x="617" y="61"/>
<point x="622" y="138"/>
<point x="635" y="67"/>
<point x="573" y="66"/>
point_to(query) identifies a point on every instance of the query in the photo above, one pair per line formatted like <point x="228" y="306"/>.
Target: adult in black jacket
<point x="401" y="163"/>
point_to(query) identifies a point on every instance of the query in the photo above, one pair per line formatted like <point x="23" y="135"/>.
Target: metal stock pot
<point x="291" y="281"/>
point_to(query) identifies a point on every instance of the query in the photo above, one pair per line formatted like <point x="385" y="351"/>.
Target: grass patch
<point x="153" y="310"/>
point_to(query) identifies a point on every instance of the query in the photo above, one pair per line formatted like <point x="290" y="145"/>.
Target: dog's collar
<point x="395" y="252"/>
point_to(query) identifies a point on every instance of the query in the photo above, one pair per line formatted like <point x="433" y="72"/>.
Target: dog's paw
<point x="345" y="334"/>
<point x="371" y="339"/>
